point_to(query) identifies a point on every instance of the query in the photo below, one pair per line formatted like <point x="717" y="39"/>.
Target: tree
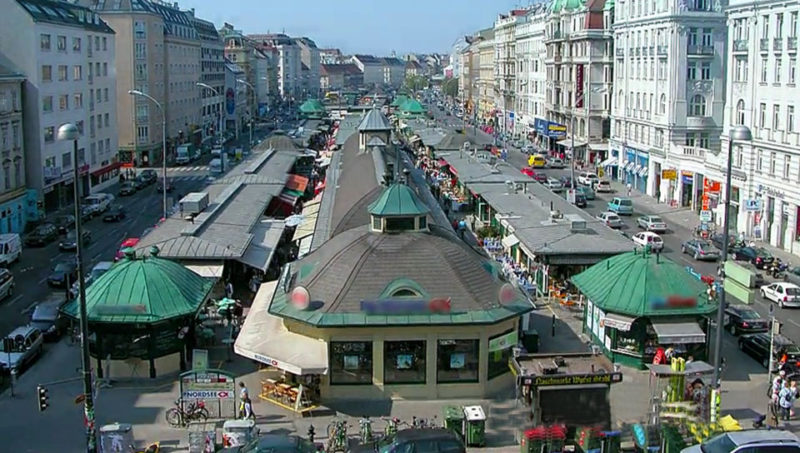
<point x="450" y="87"/>
<point x="414" y="83"/>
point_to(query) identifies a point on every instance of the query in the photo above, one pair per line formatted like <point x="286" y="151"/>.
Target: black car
<point x="758" y="256"/>
<point x="48" y="320"/>
<point x="275" y="443"/>
<point x="718" y="239"/>
<point x="87" y="213"/>
<point x="743" y="319"/>
<point x="70" y="242"/>
<point x="64" y="223"/>
<point x="114" y="214"/>
<point x="63" y="274"/>
<point x="417" y="440"/>
<point x="42" y="235"/>
<point x="580" y="200"/>
<point x="757" y="346"/>
<point x="128" y="188"/>
<point x="148" y="176"/>
<point x="160" y="186"/>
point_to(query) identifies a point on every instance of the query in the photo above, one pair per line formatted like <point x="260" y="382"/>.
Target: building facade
<point x="394" y="72"/>
<point x="669" y="82"/>
<point x="505" y="67"/>
<point x="760" y="91"/>
<point x="288" y="63"/>
<point x="309" y="56"/>
<point x="212" y="73"/>
<point x="578" y="67"/>
<point x="469" y="67"/>
<point x="531" y="75"/>
<point x="341" y="76"/>
<point x="371" y="67"/>
<point x="66" y="53"/>
<point x="236" y="98"/>
<point x="486" y="51"/>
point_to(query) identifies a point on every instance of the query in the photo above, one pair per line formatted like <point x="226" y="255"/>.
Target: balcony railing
<point x="620" y="52"/>
<point x="662" y="50"/>
<point x="652" y="50"/>
<point x="777" y="44"/>
<point x="740" y="45"/>
<point x="700" y="50"/>
<point x="763" y="44"/>
<point x="637" y="51"/>
<point x="694" y="153"/>
<point x="791" y="43"/>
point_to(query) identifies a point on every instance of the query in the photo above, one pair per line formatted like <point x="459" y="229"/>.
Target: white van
<point x="99" y="202"/>
<point x="10" y="248"/>
<point x="215" y="166"/>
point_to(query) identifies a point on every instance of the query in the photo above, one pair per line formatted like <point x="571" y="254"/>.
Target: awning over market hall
<point x="679" y="332"/>
<point x="265" y="338"/>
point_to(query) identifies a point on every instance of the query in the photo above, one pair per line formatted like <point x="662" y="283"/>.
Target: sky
<point x="375" y="27"/>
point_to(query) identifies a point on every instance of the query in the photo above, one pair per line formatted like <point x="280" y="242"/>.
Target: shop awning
<point x="637" y="168"/>
<point x="510" y="241"/>
<point x="679" y="333"/>
<point x="567" y="142"/>
<point x="305" y="246"/>
<point x="266" y="235"/>
<point x="206" y="270"/>
<point x="266" y="339"/>
<point x="619" y="322"/>
<point x="107" y="169"/>
<point x="629" y="166"/>
<point x="611" y="161"/>
<point x="598" y="146"/>
<point x="297" y="183"/>
<point x="643" y="172"/>
<point x="307" y="227"/>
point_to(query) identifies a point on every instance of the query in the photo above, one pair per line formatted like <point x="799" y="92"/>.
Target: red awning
<point x="442" y="162"/>
<point x="297" y="182"/>
<point x="107" y="169"/>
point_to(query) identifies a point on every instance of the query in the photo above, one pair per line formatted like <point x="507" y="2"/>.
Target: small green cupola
<point x="398" y="209"/>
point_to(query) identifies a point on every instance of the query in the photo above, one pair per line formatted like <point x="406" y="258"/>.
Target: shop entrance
<point x="784" y="223"/>
<point x="687" y="188"/>
<point x="770" y="214"/>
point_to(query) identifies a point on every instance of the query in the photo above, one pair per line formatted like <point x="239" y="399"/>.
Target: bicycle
<point x="177" y="416"/>
<point x="337" y="437"/>
<point x="365" y="430"/>
<point x="392" y="424"/>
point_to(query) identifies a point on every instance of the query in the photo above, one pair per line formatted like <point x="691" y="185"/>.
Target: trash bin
<point x="454" y="419"/>
<point x="475" y="426"/>
<point x="530" y="340"/>
<point x="116" y="437"/>
<point x="236" y="433"/>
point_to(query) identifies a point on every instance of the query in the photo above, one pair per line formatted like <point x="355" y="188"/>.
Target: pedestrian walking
<point x="243" y="394"/>
<point x="246" y="410"/>
<point x="785" y="400"/>
<point x="229" y="290"/>
<point x="254" y="282"/>
<point x="630" y="188"/>
<point x="462" y="228"/>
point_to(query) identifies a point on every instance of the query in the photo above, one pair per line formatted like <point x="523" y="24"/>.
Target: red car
<point x="127" y="243"/>
<point x="538" y="177"/>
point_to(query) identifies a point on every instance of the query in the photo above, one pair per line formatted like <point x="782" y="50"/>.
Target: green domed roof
<point x="398" y="200"/>
<point x="566" y="5"/>
<point x="312" y="106"/>
<point x="399" y="100"/>
<point x="143" y="291"/>
<point x="412" y="107"/>
<point x="609" y="5"/>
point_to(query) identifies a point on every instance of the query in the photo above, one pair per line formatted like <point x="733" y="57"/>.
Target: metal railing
<point x="791" y="43"/>
<point x="763" y="44"/>
<point x="740" y="45"/>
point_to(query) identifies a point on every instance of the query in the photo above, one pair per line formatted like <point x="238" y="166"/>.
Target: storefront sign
<point x="405" y="306"/>
<point x="671" y="174"/>
<point x="216" y="388"/>
<point x="770" y="191"/>
<point x="673" y="302"/>
<point x="575" y="379"/>
<point x="555" y="130"/>
<point x="711" y="186"/>
<point x="541" y="126"/>
<point x="579" y="97"/>
<point x="705" y="216"/>
<point x="753" y="205"/>
<point x="504" y="342"/>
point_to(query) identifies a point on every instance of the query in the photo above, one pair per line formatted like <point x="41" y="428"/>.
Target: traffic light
<point x="41" y="393"/>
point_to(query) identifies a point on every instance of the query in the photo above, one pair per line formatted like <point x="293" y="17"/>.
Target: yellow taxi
<point x="536" y="161"/>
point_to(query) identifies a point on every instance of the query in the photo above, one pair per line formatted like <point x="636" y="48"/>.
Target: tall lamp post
<point x="137" y="93"/>
<point x="740" y="134"/>
<point x="252" y="90"/>
<point x="216" y="93"/>
<point x="69" y="132"/>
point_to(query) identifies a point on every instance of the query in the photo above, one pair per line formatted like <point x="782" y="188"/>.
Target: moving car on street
<point x="603" y="187"/>
<point x="700" y="249"/>
<point x="160" y="186"/>
<point x="621" y="205"/>
<point x="6" y="283"/>
<point x="758" y="256"/>
<point x="648" y="238"/>
<point x="64" y="273"/>
<point x="757" y="346"/>
<point x="554" y="185"/>
<point x="47" y="319"/>
<point x="586" y="191"/>
<point x="741" y="318"/>
<point x="588" y="178"/>
<point x="26" y="344"/>
<point x="537" y="161"/>
<point x="580" y="200"/>
<point x="783" y="293"/>
<point x="556" y="163"/>
<point x="98" y="202"/>
<point x="114" y="214"/>
<point x="42" y="235"/>
<point x="148" y="176"/>
<point x="748" y="441"/>
<point x="64" y="223"/>
<point x="652" y="223"/>
<point x="611" y="219"/>
<point x="70" y="241"/>
<point x="127" y="243"/>
<point x="127" y="188"/>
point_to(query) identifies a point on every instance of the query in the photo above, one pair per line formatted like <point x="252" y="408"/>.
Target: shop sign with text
<point x="405" y="306"/>
<point x="574" y="379"/>
<point x="504" y="342"/>
<point x="671" y="174"/>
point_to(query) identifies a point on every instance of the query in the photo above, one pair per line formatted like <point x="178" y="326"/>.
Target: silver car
<point x="611" y="219"/>
<point x="748" y="441"/>
<point x="700" y="250"/>
<point x="554" y="185"/>
<point x="652" y="223"/>
<point x="26" y="343"/>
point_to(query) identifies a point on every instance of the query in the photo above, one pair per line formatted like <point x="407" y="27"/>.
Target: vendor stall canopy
<point x="643" y="284"/>
<point x="143" y="290"/>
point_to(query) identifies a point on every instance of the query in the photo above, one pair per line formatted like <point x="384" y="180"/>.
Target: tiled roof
<point x="63" y="13"/>
<point x="368" y="59"/>
<point x="345" y="68"/>
<point x="374" y="120"/>
<point x="392" y="61"/>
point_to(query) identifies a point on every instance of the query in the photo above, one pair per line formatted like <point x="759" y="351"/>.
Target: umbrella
<point x="294" y="220"/>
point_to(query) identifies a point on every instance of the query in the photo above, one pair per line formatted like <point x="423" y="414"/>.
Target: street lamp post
<point x="252" y="90"/>
<point x="69" y="132"/>
<point x="219" y="115"/>
<point x="137" y="93"/>
<point x="741" y="134"/>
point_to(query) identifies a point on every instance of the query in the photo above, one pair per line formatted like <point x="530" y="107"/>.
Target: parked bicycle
<point x="365" y="429"/>
<point x="337" y="437"/>
<point x="422" y="422"/>
<point x="392" y="424"/>
<point x="180" y="416"/>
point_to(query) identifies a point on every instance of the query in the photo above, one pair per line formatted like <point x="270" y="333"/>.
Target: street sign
<point x="706" y="216"/>
<point x="752" y="205"/>
<point x="216" y="388"/>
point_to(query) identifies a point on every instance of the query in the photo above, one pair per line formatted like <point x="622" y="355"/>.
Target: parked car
<point x="537" y="161"/>
<point x="740" y="318"/>
<point x="64" y="223"/>
<point x="26" y="346"/>
<point x="42" y="235"/>
<point x="621" y="205"/>
<point x="757" y="256"/>
<point x="274" y="443"/>
<point x="792" y="276"/>
<point x="63" y="273"/>
<point x="10" y="248"/>
<point x="99" y="202"/>
<point x="6" y="283"/>
<point x="556" y="163"/>
<point x="87" y="213"/>
<point x="528" y="149"/>
<point x="417" y="440"/>
<point x="99" y="269"/>
<point x="588" y="178"/>
<point x="540" y="178"/>
<point x="717" y="240"/>
<point x="700" y="249"/>
<point x="47" y="318"/>
<point x="652" y="223"/>
<point x="646" y="238"/>
<point x="611" y="219"/>
<point x="757" y="346"/>
<point x="70" y="242"/>
<point x="114" y="214"/>
<point x="554" y="185"/>
<point x="587" y="192"/>
<point x="749" y="441"/>
<point x="148" y="176"/>
<point x="528" y="171"/>
<point x="127" y="243"/>
<point x="160" y="186"/>
<point x="603" y="187"/>
<point x="783" y="293"/>
<point x="127" y="188"/>
<point x="580" y="200"/>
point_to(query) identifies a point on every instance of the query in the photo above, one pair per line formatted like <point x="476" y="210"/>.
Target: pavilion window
<point x="404" y="362"/>
<point x="351" y="362"/>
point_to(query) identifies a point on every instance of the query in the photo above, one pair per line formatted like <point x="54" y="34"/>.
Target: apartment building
<point x="17" y="203"/>
<point x="212" y="73"/>
<point x="309" y="57"/>
<point x="331" y="56"/>
<point x="486" y="52"/>
<point x="505" y="66"/>
<point x="394" y="71"/>
<point x="371" y="67"/>
<point x="340" y="76"/>
<point x="669" y="78"/>
<point x="579" y="66"/>
<point x="531" y="75"/>
<point x="237" y="104"/>
<point x="456" y="51"/>
<point x="469" y="64"/>
<point x="288" y="63"/>
<point x="66" y="52"/>
<point x="761" y="93"/>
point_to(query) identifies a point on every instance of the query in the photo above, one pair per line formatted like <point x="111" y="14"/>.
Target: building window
<point x="772" y="159"/>
<point x="792" y="70"/>
<point x="18" y="172"/>
<point x="776" y="117"/>
<point x="740" y="72"/>
<point x="77" y="100"/>
<point x="63" y="102"/>
<point x="79" y="125"/>
<point x="662" y="70"/>
<point x="105" y="69"/>
<point x="351" y="362"/>
<point x="740" y="112"/>
<point x="707" y="37"/>
<point x="738" y="157"/>
<point x="76" y="44"/>
<point x="7" y="175"/>
<point x="47" y="73"/>
<point x="106" y="120"/>
<point x="457" y="361"/>
<point x="105" y="43"/>
<point x="662" y="104"/>
<point x="762" y="115"/>
<point x="66" y="160"/>
<point x="47" y="104"/>
<point x="500" y="352"/>
<point x="77" y="72"/>
<point x="759" y="161"/>
<point x="62" y="73"/>
<point x="705" y="71"/>
<point x="105" y="94"/>
<point x="49" y="134"/>
<point x="44" y="42"/>
<point x="779" y="25"/>
<point x="778" y="69"/>
<point x="793" y="25"/>
<point x="140" y="30"/>
<point x="404" y="362"/>
<point x="763" y="70"/>
<point x="789" y="118"/>
<point x="787" y="163"/>
<point x="692" y="36"/>
<point x="61" y="43"/>
<point x="698" y="106"/>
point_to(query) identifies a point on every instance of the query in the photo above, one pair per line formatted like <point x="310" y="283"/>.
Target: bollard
<point x="553" y="328"/>
<point x="311" y="434"/>
<point x="13" y="377"/>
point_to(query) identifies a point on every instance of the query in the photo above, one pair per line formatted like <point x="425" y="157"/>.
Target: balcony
<point x="662" y="50"/>
<point x="777" y="44"/>
<point x="763" y="44"/>
<point x="620" y="52"/>
<point x="791" y="43"/>
<point x="694" y="153"/>
<point x="699" y="50"/>
<point x="652" y="50"/>
<point x="740" y="45"/>
<point x="637" y="51"/>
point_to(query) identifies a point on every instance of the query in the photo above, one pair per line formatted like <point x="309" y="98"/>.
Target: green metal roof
<point x="312" y="106"/>
<point x="639" y="284"/>
<point x="399" y="100"/>
<point x="398" y="200"/>
<point x="143" y="291"/>
<point x="412" y="107"/>
<point x="567" y="5"/>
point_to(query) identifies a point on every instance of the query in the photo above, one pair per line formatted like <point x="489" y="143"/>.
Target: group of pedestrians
<point x="782" y="396"/>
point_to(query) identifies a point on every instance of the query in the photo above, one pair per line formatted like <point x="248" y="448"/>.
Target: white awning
<point x="266" y="339"/>
<point x="206" y="270"/>
<point x="637" y="168"/>
<point x="617" y="321"/>
<point x="309" y="224"/>
<point x="510" y="241"/>
<point x="567" y="142"/>
<point x="598" y="146"/>
<point x="611" y="161"/>
<point x="679" y="333"/>
<point x="266" y="235"/>
<point x="629" y="166"/>
<point x="643" y="172"/>
<point x="305" y="246"/>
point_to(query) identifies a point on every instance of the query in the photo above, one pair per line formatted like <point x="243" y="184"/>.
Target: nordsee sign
<point x="405" y="306"/>
<point x="575" y="379"/>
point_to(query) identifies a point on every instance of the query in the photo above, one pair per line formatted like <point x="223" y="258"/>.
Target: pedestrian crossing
<point x="188" y="169"/>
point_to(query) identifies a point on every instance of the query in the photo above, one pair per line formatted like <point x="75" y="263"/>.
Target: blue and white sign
<point x="753" y="205"/>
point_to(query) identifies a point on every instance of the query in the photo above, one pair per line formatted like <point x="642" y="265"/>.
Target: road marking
<point x="94" y="258"/>
<point x="793" y="322"/>
<point x="42" y="280"/>
<point x="28" y="309"/>
<point x="15" y="300"/>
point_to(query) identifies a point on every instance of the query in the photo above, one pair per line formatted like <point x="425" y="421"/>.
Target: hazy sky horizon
<point x="360" y="26"/>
